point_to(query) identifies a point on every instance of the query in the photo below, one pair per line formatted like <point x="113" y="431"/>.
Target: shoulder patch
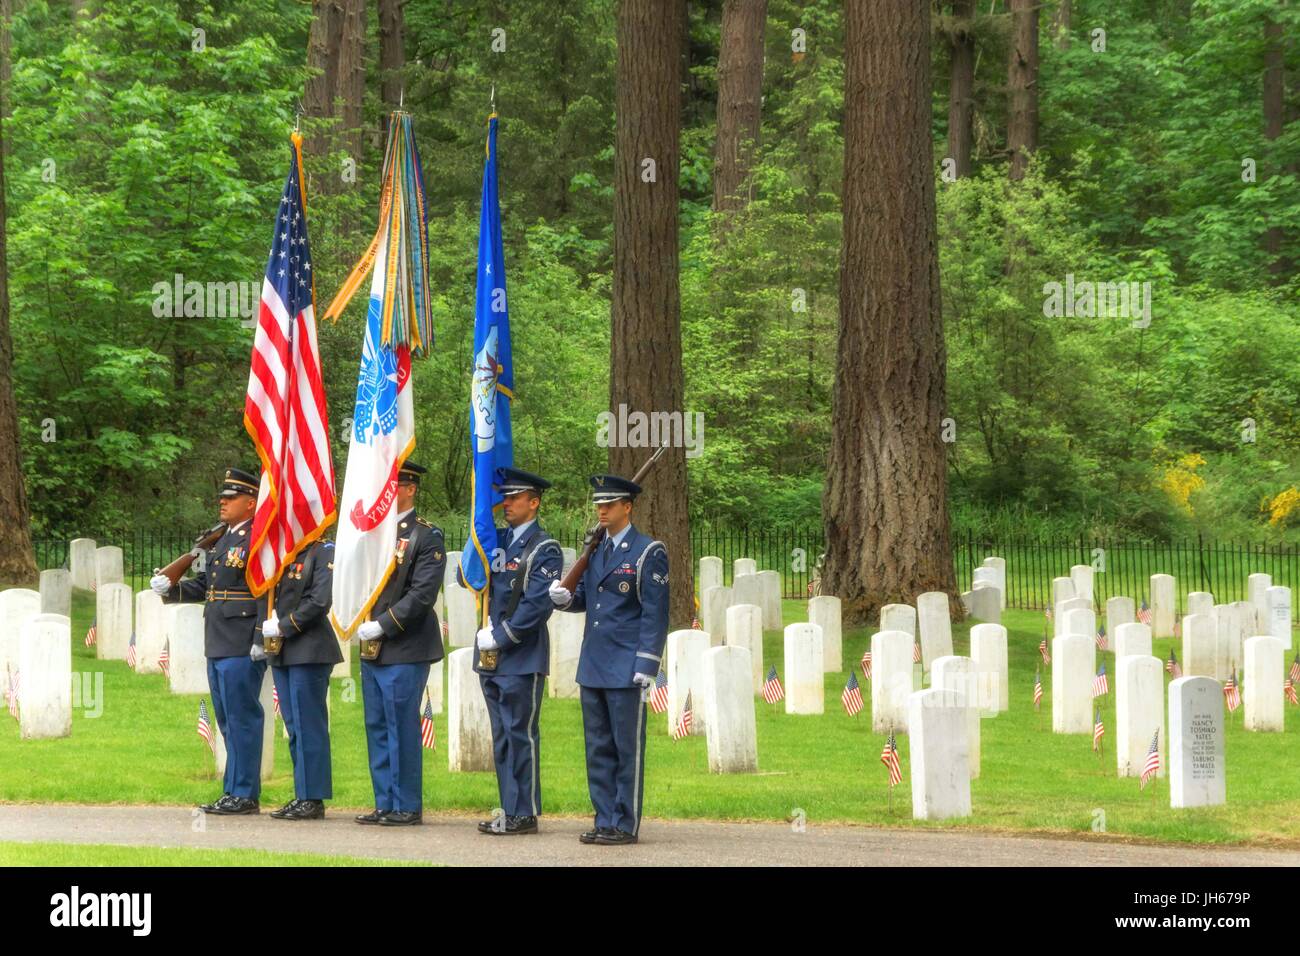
<point x="422" y="521"/>
<point x="327" y="544"/>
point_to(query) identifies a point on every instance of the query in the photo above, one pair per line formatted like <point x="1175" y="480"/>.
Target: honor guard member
<point x="625" y="594"/>
<point x="514" y="650"/>
<point x="302" y="651"/>
<point x="232" y="643"/>
<point x="398" y="643"/>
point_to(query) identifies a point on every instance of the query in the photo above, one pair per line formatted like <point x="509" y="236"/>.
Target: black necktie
<point x="510" y="536"/>
<point x="609" y="553"/>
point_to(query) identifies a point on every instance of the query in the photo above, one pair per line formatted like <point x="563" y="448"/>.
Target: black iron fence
<point x="1120" y="567"/>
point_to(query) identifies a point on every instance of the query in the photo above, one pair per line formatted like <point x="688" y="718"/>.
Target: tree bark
<point x="352" y="75"/>
<point x="740" y="98"/>
<point x="17" y="561"/>
<point x="961" y="86"/>
<point x="885" y="503"/>
<point x="392" y="52"/>
<point x="1022" y="85"/>
<point x="1274" y="121"/>
<point x="1064" y="20"/>
<point x="323" y="44"/>
<point x="645" y="329"/>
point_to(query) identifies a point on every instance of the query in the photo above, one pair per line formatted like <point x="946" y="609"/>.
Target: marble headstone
<point x="891" y="680"/>
<point x="824" y="611"/>
<point x="745" y="629"/>
<point x="805" y="682"/>
<point x="731" y="737"/>
<point x="1196" y="767"/>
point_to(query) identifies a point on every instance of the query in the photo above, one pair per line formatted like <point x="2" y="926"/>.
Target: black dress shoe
<point x="518" y="825"/>
<point x="491" y="826"/>
<point x="307" y="810"/>
<point x="400" y="818"/>
<point x="285" y="811"/>
<point x="613" y="837"/>
<point x="374" y="816"/>
<point x="212" y="807"/>
<point x="594" y="835"/>
<point x="236" y="806"/>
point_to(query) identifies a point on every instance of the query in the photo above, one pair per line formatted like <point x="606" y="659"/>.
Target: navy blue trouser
<point x="236" y="683"/>
<point x="304" y="691"/>
<point x="392" y="694"/>
<point x="514" y="703"/>
<point x="613" y="720"/>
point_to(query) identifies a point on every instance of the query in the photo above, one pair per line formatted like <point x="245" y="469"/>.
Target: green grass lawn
<point x="103" y="854"/>
<point x="143" y="749"/>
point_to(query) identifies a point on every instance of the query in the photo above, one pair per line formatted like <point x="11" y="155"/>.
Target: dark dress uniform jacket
<point x="412" y="634"/>
<point x="232" y="620"/>
<point x="302" y="602"/>
<point x="525" y="645"/>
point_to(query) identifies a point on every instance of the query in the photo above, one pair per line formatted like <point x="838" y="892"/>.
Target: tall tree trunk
<point x="885" y="503"/>
<point x="1274" y="120"/>
<point x="17" y="562"/>
<point x="1022" y="85"/>
<point x="352" y="75"/>
<point x="740" y="99"/>
<point x="392" y="53"/>
<point x="961" y="86"/>
<point x="645" y="329"/>
<point x="323" y="44"/>
<point x="1064" y="20"/>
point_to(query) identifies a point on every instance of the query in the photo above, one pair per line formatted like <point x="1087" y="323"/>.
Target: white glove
<point x="486" y="642"/>
<point x="643" y="680"/>
<point x="160" y="584"/>
<point x="271" y="627"/>
<point x="560" y="595"/>
<point x="370" y="630"/>
<point x="257" y="652"/>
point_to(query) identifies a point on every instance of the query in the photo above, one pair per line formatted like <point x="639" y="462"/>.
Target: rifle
<point x="176" y="570"/>
<point x="596" y="535"/>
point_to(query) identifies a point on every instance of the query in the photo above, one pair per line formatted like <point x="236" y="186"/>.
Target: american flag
<point x="695" y="624"/>
<point x="1098" y="730"/>
<point x="851" y="696"/>
<point x="130" y="652"/>
<point x="1099" y="684"/>
<point x="11" y="694"/>
<point x="275" y="699"/>
<point x="659" y="698"/>
<point x="1042" y="646"/>
<point x="916" y="652"/>
<point x="1172" y="665"/>
<point x="889" y="757"/>
<point x="165" y="659"/>
<point x="1047" y="613"/>
<point x="1038" y="689"/>
<point x="1101" y="638"/>
<point x="1144" y="614"/>
<point x="683" y="726"/>
<point x="204" y="728"/>
<point x="1178" y="627"/>
<point x="91" y="635"/>
<point x="444" y="629"/>
<point x="1152" y="766"/>
<point x="772" y="689"/>
<point x="1295" y="669"/>
<point x="427" y="735"/>
<point x="284" y="410"/>
<point x="1288" y="688"/>
<point x="866" y="664"/>
<point x="1231" y="693"/>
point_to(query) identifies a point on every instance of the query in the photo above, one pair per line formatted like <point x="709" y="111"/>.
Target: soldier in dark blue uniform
<point x="625" y="594"/>
<point x="398" y="644"/>
<point x="300" y="630"/>
<point x="516" y="643"/>
<point x="232" y="642"/>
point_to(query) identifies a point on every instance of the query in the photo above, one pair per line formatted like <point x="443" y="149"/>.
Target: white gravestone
<point x="1262" y="690"/>
<point x="1196" y="769"/>
<point x="16" y="606"/>
<point x="1243" y="627"/>
<point x="985" y="576"/>
<point x="1257" y="586"/>
<point x="1200" y="646"/>
<point x="713" y="612"/>
<point x="1080" y="620"/>
<point x="891" y="680"/>
<point x="898" y="617"/>
<point x="685" y="671"/>
<point x="957" y="674"/>
<point x="940" y="769"/>
<point x="113" y="621"/>
<point x="56" y="592"/>
<point x="348" y="649"/>
<point x="108" y="565"/>
<point x="824" y="611"/>
<point x="986" y="604"/>
<point x="1064" y="608"/>
<point x="187" y="666"/>
<point x="81" y="561"/>
<point x="45" y="689"/>
<point x="999" y="565"/>
<point x="433" y="687"/>
<point x="1081" y="578"/>
<point x="1120" y="610"/>
<point x="1062" y="590"/>
<point x="566" y="630"/>
<point x="469" y="729"/>
<point x="1279" y="614"/>
<point x="1139" y="712"/>
<point x="1200" y="602"/>
<point x="1227" y="631"/>
<point x="934" y="621"/>
<point x="570" y="558"/>
<point x="988" y="651"/>
<point x="710" y="572"/>
<point x="462" y="617"/>
<point x="730" y="734"/>
<point x="747" y="589"/>
<point x="745" y="629"/>
<point x="150" y="632"/>
<point x="805" y="682"/>
<point x="1163" y="605"/>
<point x="770" y="589"/>
<point x="1129" y="639"/>
<point x="1074" y="665"/>
<point x="743" y="566"/>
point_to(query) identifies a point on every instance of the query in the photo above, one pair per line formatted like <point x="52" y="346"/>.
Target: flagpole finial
<point x="492" y="99"/>
<point x="401" y="96"/>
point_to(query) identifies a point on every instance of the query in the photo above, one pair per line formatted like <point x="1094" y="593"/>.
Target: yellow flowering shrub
<point x="1282" y="505"/>
<point x="1180" y="480"/>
